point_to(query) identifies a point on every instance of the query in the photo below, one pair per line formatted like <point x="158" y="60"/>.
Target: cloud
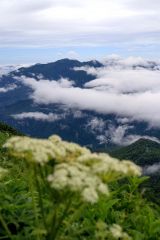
<point x="39" y="116"/>
<point x="152" y="169"/>
<point x="127" y="90"/>
<point x="65" y="83"/>
<point x="79" y="23"/>
<point x="139" y="106"/>
<point x="77" y="113"/>
<point x="96" y="124"/>
<point x="69" y="54"/>
<point x="119" y="135"/>
<point x="5" y="69"/>
<point x="8" y="88"/>
<point x="126" y="80"/>
<point x="123" y="120"/>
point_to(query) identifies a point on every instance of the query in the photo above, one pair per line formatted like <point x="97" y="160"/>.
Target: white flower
<point x="117" y="232"/>
<point x="90" y="195"/>
<point x="103" y="188"/>
<point x="72" y="150"/>
<point x="108" y="167"/>
<point x="78" y="178"/>
<point x="41" y="151"/>
<point x="34" y="150"/>
<point x="76" y="168"/>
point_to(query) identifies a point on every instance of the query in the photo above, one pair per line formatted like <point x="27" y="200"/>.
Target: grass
<point x="66" y="217"/>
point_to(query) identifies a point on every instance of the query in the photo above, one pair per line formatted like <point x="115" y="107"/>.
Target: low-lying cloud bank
<point x="50" y="117"/>
<point x="152" y="169"/>
<point x="8" y="88"/>
<point x="127" y="89"/>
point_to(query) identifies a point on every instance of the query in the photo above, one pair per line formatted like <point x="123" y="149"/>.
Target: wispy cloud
<point x="119" y="135"/>
<point x="152" y="169"/>
<point x="39" y="116"/>
<point x="8" y="88"/>
<point x="96" y="125"/>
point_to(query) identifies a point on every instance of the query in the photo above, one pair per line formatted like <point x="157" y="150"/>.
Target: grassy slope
<point x="142" y="152"/>
<point x="9" y="130"/>
<point x="20" y="219"/>
<point x="5" y="133"/>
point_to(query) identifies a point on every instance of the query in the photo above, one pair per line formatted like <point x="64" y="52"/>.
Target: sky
<point x="46" y="30"/>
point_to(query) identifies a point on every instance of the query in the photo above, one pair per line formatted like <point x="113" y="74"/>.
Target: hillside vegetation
<point x="142" y="152"/>
<point x="53" y="189"/>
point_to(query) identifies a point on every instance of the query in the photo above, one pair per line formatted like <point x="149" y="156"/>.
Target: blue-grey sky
<point x="44" y="30"/>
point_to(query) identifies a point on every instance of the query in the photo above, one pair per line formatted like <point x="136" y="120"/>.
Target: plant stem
<point x="40" y="199"/>
<point x="5" y="227"/>
<point x="60" y="220"/>
<point x="33" y="200"/>
<point x="53" y="225"/>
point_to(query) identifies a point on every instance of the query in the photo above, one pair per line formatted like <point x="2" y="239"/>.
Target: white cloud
<point x="5" y="69"/>
<point x="96" y="125"/>
<point x="65" y="83"/>
<point x="70" y="54"/>
<point x="123" y="120"/>
<point x="139" y="106"/>
<point x="77" y="113"/>
<point x="152" y="169"/>
<point x="8" y="88"/>
<point x="122" y="90"/>
<point x="116" y="135"/>
<point x="39" y="116"/>
<point x="127" y="80"/>
<point x="131" y="138"/>
<point x="120" y="136"/>
<point x="102" y="139"/>
<point x="78" y="23"/>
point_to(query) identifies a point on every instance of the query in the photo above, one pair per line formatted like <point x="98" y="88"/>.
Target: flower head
<point x="34" y="150"/>
<point x="117" y="232"/>
<point x="76" y="168"/>
<point x="78" y="178"/>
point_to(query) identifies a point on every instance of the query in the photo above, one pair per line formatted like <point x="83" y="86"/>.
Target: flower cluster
<point x="42" y="150"/>
<point x="78" y="177"/>
<point x="34" y="150"/>
<point x="117" y="232"/>
<point x="114" y="231"/>
<point x="72" y="150"/>
<point x="76" y="168"/>
<point x="109" y="168"/>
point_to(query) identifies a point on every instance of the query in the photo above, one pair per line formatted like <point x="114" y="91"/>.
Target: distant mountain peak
<point x="63" y="68"/>
<point x="142" y="152"/>
<point x="145" y="141"/>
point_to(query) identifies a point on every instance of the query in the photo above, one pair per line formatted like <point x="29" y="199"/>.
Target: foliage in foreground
<point x="58" y="190"/>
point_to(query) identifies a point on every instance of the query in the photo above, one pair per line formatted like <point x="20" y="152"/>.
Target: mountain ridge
<point x="142" y="152"/>
<point x="91" y="128"/>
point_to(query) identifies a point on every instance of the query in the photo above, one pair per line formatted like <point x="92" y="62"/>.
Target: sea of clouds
<point x="129" y="88"/>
